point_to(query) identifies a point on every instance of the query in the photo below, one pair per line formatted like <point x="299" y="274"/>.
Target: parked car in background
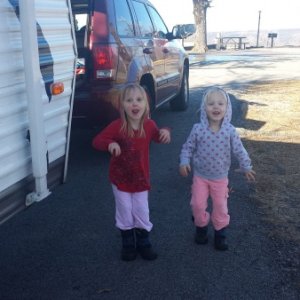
<point x="122" y="41"/>
<point x="80" y="67"/>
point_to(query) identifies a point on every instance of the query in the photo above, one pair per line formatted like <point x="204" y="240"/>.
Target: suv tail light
<point x="105" y="61"/>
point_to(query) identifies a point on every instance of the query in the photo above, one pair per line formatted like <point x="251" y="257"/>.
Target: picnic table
<point x="237" y="41"/>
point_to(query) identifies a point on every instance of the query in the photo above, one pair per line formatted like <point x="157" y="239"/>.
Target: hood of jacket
<point x="228" y="114"/>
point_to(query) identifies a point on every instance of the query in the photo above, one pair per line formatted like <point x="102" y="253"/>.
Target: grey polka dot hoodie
<point x="210" y="152"/>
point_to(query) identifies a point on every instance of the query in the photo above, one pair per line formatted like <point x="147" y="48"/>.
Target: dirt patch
<point x="270" y="130"/>
<point x="271" y="134"/>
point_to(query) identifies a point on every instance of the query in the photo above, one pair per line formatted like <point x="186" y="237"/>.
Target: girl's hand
<point x="164" y="136"/>
<point x="184" y="170"/>
<point x="250" y="175"/>
<point x="114" y="149"/>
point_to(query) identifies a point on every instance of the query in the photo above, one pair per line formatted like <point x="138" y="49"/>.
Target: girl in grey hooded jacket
<point x="209" y="148"/>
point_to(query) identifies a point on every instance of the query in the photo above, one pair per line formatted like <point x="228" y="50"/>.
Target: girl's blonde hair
<point x="126" y="126"/>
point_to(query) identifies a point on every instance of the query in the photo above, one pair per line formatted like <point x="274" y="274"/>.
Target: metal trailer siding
<point x="57" y="56"/>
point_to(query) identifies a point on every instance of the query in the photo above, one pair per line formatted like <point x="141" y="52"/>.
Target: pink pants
<point x="218" y="191"/>
<point x="132" y="210"/>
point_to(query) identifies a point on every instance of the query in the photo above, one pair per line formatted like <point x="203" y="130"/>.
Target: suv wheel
<point x="181" y="101"/>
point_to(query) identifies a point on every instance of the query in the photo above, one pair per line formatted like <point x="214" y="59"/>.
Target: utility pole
<point x="257" y="39"/>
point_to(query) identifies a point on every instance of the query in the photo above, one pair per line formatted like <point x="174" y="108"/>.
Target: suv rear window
<point x="124" y="19"/>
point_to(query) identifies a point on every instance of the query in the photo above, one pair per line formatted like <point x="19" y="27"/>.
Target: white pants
<point x="132" y="210"/>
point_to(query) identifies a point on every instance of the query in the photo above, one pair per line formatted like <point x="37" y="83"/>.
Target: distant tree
<point x="200" y="8"/>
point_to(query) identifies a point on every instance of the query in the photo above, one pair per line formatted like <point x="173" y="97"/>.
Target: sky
<point x="234" y="15"/>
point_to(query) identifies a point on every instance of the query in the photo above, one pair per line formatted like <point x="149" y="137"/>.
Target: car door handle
<point x="148" y="50"/>
<point x="165" y="50"/>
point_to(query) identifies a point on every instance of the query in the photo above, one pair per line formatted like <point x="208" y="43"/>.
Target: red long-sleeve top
<point x="130" y="170"/>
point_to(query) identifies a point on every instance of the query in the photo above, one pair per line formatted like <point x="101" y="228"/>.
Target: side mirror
<point x="170" y="36"/>
<point x="183" y="31"/>
<point x="176" y="33"/>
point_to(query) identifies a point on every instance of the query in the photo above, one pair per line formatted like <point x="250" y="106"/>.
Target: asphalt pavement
<point x="67" y="247"/>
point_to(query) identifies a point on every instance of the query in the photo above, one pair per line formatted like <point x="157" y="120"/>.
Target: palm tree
<point x="200" y="8"/>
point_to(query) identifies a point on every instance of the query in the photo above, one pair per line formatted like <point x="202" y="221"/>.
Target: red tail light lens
<point x="105" y="61"/>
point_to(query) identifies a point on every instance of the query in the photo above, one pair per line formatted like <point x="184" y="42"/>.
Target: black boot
<point x="201" y="235"/>
<point x="220" y="240"/>
<point x="129" y="251"/>
<point x="143" y="244"/>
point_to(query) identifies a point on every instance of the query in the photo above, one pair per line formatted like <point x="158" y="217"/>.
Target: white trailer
<point x="37" y="78"/>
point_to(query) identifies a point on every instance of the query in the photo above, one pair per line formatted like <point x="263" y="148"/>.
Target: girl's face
<point x="134" y="105"/>
<point x="216" y="105"/>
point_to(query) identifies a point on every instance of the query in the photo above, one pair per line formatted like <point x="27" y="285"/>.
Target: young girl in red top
<point x="128" y="140"/>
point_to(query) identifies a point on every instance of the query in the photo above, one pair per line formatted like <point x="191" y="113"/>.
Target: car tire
<point x="181" y="101"/>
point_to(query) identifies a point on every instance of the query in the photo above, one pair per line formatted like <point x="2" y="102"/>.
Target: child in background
<point x="128" y="140"/>
<point x="209" y="146"/>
